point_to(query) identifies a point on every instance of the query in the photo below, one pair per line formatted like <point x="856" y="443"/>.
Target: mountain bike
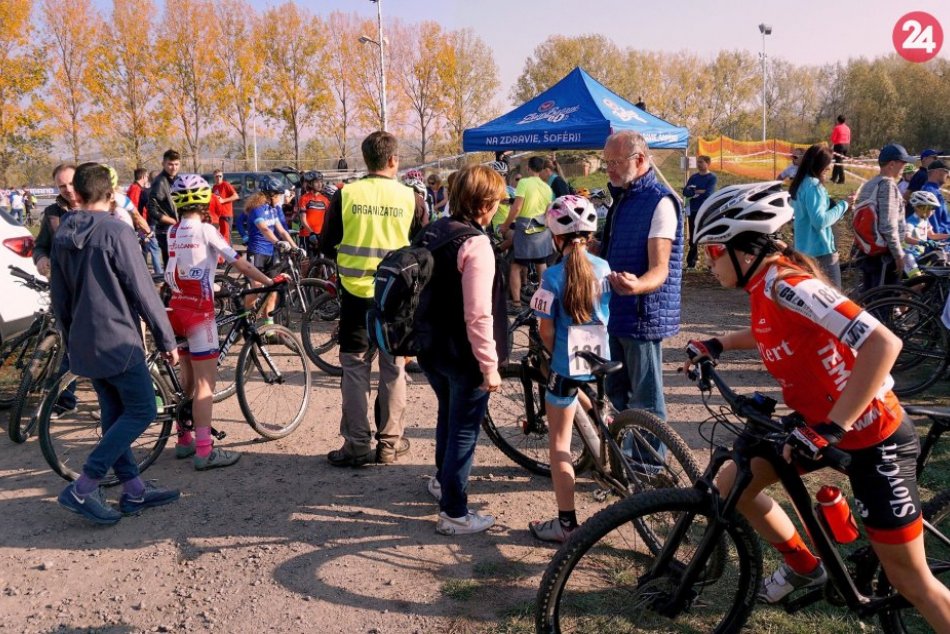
<point x="272" y="384"/>
<point x="625" y="452"/>
<point x="16" y="352"/>
<point x="320" y="328"/>
<point x="706" y="574"/>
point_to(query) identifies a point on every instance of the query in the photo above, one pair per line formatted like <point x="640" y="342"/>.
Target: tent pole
<point x="656" y="169"/>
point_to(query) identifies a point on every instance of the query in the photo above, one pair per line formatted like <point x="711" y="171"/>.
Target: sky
<point x="804" y="31"/>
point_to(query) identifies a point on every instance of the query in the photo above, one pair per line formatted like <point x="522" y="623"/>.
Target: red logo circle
<point x="917" y="36"/>
<point x="547" y="105"/>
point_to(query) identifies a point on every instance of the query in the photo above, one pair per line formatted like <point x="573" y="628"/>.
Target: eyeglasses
<point x="619" y="162"/>
<point x="714" y="251"/>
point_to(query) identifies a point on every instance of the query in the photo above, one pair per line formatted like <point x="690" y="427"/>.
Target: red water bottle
<point x="837" y="514"/>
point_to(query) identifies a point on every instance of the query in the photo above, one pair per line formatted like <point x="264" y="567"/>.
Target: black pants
<point x="162" y="237"/>
<point x="840" y="150"/>
<point x="693" y="248"/>
<point x="877" y="270"/>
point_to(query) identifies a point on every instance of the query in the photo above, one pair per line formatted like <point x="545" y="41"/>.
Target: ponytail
<point x="580" y="285"/>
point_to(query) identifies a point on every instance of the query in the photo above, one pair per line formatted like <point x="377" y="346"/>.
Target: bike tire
<point x="67" y="441"/>
<point x="256" y="378"/>
<point x="322" y="268"/>
<point x="505" y="427"/>
<point x="13" y="361"/>
<point x="926" y="346"/>
<point x="320" y="334"/>
<point x="606" y="550"/>
<point x="33" y="382"/>
<point x="637" y="431"/>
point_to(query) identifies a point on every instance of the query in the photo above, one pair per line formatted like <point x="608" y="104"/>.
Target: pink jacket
<point x="476" y="263"/>
<point x="841" y="134"/>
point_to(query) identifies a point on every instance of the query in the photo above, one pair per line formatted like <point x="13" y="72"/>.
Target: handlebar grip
<point x="16" y="271"/>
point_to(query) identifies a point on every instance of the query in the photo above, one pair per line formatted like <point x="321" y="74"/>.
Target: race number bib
<point x="590" y="338"/>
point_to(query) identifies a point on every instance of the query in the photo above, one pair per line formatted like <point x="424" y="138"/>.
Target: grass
<point x="460" y="589"/>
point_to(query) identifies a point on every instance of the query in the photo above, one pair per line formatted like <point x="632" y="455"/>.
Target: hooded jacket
<point x="100" y="287"/>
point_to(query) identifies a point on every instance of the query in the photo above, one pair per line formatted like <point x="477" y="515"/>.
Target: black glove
<point x="710" y="348"/>
<point x="810" y="442"/>
<point x="931" y="244"/>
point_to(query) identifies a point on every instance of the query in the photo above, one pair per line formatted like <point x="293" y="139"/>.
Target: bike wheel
<point x="226" y="384"/>
<point x="67" y="441"/>
<point x="320" y="334"/>
<point x="658" y="456"/>
<point x="604" y="578"/>
<point x="33" y="383"/>
<point x="273" y="382"/>
<point x="322" y="269"/>
<point x="907" y="620"/>
<point x="12" y="364"/>
<point x="924" y="355"/>
<point x="506" y="424"/>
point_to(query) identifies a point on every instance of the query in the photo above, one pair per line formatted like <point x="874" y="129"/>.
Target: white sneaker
<point x="434" y="488"/>
<point x="466" y="525"/>
<point x="785" y="581"/>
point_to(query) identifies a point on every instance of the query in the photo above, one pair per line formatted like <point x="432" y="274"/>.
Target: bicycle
<point x="40" y="372"/>
<point x="707" y="572"/>
<point x="16" y="352"/>
<point x="625" y="452"/>
<point x="271" y="364"/>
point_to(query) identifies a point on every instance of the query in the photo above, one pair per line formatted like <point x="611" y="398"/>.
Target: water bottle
<point x="834" y="508"/>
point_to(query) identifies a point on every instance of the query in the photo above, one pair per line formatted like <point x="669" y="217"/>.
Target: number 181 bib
<point x="589" y="338"/>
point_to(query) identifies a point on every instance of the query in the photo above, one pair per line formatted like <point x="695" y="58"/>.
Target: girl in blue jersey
<point x="572" y="306"/>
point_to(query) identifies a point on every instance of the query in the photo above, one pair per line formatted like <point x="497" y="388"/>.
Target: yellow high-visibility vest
<point x="377" y="215"/>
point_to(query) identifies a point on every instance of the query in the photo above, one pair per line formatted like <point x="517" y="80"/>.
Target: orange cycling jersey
<point x="807" y="333"/>
<point x="313" y="205"/>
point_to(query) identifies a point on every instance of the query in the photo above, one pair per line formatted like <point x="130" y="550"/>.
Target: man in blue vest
<point x="643" y="243"/>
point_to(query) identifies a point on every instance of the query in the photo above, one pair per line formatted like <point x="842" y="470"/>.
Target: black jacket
<point x="100" y="288"/>
<point x="44" y="240"/>
<point x="160" y="202"/>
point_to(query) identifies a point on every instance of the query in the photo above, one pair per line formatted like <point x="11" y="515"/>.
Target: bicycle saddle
<point x="600" y="366"/>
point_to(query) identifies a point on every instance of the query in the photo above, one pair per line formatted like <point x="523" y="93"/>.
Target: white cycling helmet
<point x="415" y="184"/>
<point x="923" y="199"/>
<point x="755" y="208"/>
<point x="499" y="166"/>
<point x="571" y="214"/>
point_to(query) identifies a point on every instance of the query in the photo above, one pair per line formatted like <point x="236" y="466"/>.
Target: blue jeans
<point x="127" y="403"/>
<point x="151" y="249"/>
<point x="462" y="406"/>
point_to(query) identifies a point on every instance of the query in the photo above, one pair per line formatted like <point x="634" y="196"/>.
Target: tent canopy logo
<point x="550" y="112"/>
<point x="623" y="113"/>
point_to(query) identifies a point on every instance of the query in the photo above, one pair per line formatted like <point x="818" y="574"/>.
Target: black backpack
<point x="397" y="321"/>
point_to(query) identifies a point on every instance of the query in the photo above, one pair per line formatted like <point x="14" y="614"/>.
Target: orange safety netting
<point x="752" y="159"/>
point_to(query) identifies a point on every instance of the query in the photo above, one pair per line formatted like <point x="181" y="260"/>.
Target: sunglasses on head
<point x="714" y="251"/>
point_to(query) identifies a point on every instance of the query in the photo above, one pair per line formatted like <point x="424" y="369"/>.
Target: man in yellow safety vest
<point x="366" y="220"/>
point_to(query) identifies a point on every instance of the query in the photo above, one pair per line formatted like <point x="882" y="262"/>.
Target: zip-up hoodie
<point x="100" y="288"/>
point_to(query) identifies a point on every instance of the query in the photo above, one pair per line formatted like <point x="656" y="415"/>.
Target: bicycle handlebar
<point x="31" y="280"/>
<point x="752" y="409"/>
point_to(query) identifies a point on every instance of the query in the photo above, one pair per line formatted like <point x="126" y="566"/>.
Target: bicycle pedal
<point x="812" y="596"/>
<point x="601" y="495"/>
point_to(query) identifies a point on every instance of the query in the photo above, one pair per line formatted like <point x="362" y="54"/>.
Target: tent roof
<point x="577" y="112"/>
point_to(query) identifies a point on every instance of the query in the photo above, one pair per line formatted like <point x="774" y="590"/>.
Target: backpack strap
<point x="463" y="230"/>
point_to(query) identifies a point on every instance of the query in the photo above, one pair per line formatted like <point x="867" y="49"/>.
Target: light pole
<point x="254" y="128"/>
<point x="382" y="60"/>
<point x="764" y="29"/>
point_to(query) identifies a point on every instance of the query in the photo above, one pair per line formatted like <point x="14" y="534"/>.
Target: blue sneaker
<point x="185" y="451"/>
<point x="92" y="506"/>
<point x="153" y="496"/>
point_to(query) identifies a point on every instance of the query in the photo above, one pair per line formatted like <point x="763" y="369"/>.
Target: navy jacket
<point x="100" y="288"/>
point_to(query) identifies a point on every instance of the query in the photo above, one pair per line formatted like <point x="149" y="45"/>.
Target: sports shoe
<point x="92" y="506"/>
<point x="465" y="525"/>
<point x="434" y="488"/>
<point x="59" y="411"/>
<point x="184" y="451"/>
<point x="388" y="454"/>
<point x="216" y="459"/>
<point x="413" y="367"/>
<point x="785" y="581"/>
<point x="151" y="497"/>
<point x="342" y="458"/>
<point x="550" y="531"/>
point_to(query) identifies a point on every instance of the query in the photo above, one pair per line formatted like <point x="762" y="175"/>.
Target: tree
<point x="20" y="81"/>
<point x="555" y="57"/>
<point x="733" y="100"/>
<point x="70" y="33"/>
<point x="123" y="81"/>
<point x="294" y="91"/>
<point x="470" y="82"/>
<point x="876" y="111"/>
<point x="185" y="57"/>
<point x="239" y="65"/>
<point x="339" y="112"/>
<point x="367" y="80"/>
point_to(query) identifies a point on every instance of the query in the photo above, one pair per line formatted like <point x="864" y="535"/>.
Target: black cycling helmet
<point x="270" y="185"/>
<point x="312" y="176"/>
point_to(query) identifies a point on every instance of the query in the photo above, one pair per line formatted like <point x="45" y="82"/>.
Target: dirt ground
<point x="282" y="542"/>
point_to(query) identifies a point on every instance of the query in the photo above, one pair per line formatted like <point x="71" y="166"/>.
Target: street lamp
<point x="764" y="29"/>
<point x="254" y="128"/>
<point x="382" y="59"/>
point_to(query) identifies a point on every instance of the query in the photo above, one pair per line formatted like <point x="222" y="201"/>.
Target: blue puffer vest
<point x="656" y="315"/>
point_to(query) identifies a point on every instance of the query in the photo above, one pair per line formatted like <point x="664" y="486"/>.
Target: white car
<point x="18" y="304"/>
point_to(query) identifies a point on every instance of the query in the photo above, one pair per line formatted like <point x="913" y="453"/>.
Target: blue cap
<point x="894" y="152"/>
<point x="928" y="153"/>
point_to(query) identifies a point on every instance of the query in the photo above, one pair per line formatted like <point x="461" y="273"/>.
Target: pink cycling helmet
<point x="414" y="175"/>
<point x="571" y="214"/>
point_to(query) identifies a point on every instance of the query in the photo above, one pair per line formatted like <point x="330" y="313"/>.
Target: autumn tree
<point x="367" y="79"/>
<point x="293" y="91"/>
<point x="185" y="59"/>
<point x="240" y="59"/>
<point x="22" y="77"/>
<point x="470" y="81"/>
<point x="338" y="114"/>
<point x="555" y="57"/>
<point x="875" y="109"/>
<point x="70" y="33"/>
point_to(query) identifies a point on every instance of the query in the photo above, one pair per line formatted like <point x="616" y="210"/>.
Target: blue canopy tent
<point x="578" y="112"/>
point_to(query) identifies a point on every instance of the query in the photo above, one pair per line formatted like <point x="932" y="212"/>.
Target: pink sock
<point x="204" y="442"/>
<point x="184" y="437"/>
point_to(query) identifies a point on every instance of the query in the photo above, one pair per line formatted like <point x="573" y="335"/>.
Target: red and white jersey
<point x="807" y="333"/>
<point x="193" y="250"/>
